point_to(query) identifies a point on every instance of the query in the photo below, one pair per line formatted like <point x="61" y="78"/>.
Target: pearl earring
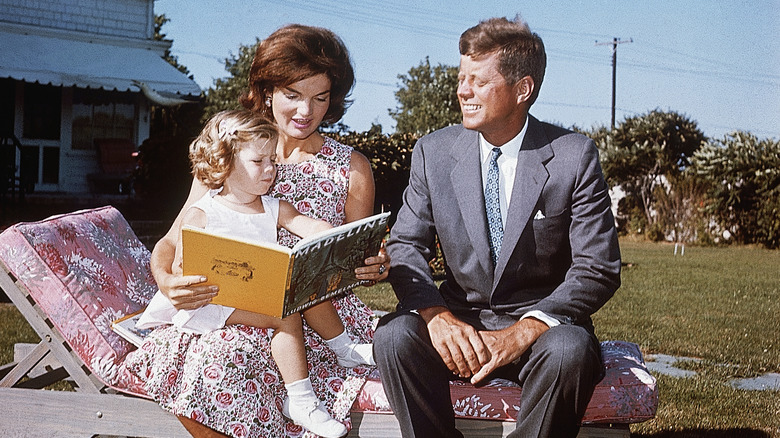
<point x="268" y="101"/>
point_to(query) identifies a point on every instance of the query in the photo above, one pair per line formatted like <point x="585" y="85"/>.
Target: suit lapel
<point x="466" y="179"/>
<point x="530" y="177"/>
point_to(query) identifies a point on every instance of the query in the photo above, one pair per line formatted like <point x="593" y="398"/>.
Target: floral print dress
<point x="227" y="379"/>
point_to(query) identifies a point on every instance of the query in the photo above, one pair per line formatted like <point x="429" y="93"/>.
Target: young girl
<point x="234" y="156"/>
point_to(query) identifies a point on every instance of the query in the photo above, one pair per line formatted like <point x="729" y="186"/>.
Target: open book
<point x="125" y="327"/>
<point x="278" y="281"/>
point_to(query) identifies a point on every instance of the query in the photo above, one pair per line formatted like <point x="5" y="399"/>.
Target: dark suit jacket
<point x="560" y="250"/>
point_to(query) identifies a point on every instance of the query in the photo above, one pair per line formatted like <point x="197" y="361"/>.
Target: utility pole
<point x="614" y="42"/>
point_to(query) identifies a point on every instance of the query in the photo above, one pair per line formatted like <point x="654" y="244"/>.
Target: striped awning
<point x="98" y="63"/>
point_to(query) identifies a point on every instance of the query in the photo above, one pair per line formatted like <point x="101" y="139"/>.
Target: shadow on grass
<point x="706" y="433"/>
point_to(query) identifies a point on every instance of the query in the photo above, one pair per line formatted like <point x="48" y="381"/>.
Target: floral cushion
<point x="627" y="394"/>
<point x="84" y="269"/>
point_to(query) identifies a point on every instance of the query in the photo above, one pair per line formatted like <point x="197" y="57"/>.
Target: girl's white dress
<point x="219" y="219"/>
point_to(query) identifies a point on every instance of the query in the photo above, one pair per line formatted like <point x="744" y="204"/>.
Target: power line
<point x="745" y="77"/>
<point x="615" y="42"/>
<point x="576" y="105"/>
<point x="384" y="17"/>
<point x="718" y="63"/>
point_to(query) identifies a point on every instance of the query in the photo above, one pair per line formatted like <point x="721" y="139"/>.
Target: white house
<point x="69" y="76"/>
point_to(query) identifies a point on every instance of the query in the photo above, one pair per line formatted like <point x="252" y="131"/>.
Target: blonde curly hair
<point x="213" y="151"/>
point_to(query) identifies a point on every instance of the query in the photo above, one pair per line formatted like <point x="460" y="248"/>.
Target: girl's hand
<point x="376" y="268"/>
<point x="187" y="292"/>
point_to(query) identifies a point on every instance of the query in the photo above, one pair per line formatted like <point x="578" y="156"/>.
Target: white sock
<point x="350" y="354"/>
<point x="301" y="391"/>
<point x="304" y="408"/>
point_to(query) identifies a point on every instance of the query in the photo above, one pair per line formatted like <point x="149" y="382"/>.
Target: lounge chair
<point x="71" y="275"/>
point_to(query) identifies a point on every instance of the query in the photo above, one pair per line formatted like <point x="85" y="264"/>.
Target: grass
<point x="719" y="305"/>
<point x="716" y="304"/>
<point x="13" y="329"/>
<point x="378" y="297"/>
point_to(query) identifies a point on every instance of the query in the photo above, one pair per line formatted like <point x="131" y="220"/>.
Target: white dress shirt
<point x="507" y="167"/>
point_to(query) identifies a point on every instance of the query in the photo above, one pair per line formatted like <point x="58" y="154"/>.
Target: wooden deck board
<point x="44" y="413"/>
<point x="371" y="425"/>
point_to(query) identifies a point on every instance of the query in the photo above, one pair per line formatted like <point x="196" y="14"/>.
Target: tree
<point x="648" y="150"/>
<point x="227" y="91"/>
<point x="182" y="120"/>
<point x="427" y="99"/>
<point x="744" y="194"/>
<point x="162" y="177"/>
<point x="159" y="22"/>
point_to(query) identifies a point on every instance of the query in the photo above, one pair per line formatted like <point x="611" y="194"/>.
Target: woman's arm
<point x="360" y="194"/>
<point x="182" y="291"/>
<point x="360" y="204"/>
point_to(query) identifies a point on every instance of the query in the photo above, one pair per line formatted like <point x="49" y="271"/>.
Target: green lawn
<point x="716" y="304"/>
<point x="719" y="305"/>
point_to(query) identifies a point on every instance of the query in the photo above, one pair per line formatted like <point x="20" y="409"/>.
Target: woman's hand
<point x="376" y="268"/>
<point x="360" y="204"/>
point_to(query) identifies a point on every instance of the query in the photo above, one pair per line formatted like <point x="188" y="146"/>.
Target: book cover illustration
<point x="325" y="268"/>
<point x="125" y="327"/>
<point x="275" y="280"/>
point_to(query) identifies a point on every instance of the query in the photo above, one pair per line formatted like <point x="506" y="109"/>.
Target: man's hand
<point x="186" y="292"/>
<point x="458" y="344"/>
<point x="508" y="344"/>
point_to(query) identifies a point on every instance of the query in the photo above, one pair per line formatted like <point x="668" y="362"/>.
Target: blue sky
<point x="717" y="62"/>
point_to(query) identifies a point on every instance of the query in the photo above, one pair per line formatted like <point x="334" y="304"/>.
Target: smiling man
<point x="522" y="214"/>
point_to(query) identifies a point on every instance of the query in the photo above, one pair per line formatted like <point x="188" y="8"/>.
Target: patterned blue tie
<point x="493" y="207"/>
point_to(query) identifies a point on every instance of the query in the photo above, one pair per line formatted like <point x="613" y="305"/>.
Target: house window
<point x="39" y="159"/>
<point x="42" y="108"/>
<point x="101" y="114"/>
<point x="7" y="104"/>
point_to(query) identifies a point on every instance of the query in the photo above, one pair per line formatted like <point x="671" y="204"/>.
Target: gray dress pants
<point x="557" y="374"/>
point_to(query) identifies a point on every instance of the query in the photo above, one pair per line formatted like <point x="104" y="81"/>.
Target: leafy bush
<point x="390" y="157"/>
<point x="162" y="178"/>
<point x="744" y="186"/>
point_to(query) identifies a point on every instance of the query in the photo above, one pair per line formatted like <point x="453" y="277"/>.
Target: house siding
<point x="109" y="21"/>
<point x="127" y="18"/>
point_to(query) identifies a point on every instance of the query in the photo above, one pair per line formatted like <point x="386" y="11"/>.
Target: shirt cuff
<point x="541" y="316"/>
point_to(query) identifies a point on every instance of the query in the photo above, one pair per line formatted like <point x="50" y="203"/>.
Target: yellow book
<point x="275" y="280"/>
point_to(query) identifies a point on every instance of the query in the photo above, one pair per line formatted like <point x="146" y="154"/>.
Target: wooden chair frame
<point x="93" y="409"/>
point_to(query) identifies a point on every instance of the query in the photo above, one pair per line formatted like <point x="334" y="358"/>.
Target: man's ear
<point x="525" y="88"/>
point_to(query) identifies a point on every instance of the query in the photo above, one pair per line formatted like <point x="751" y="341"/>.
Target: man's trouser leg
<point x="414" y="377"/>
<point x="558" y="374"/>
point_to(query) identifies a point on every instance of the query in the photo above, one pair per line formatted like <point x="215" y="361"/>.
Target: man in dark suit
<point x="522" y="214"/>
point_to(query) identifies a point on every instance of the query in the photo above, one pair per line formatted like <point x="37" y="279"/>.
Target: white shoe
<point x="356" y="355"/>
<point x="315" y="418"/>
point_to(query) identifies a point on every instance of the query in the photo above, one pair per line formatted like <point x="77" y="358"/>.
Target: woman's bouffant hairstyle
<point x="296" y="52"/>
<point x="212" y="153"/>
<point x="520" y="51"/>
